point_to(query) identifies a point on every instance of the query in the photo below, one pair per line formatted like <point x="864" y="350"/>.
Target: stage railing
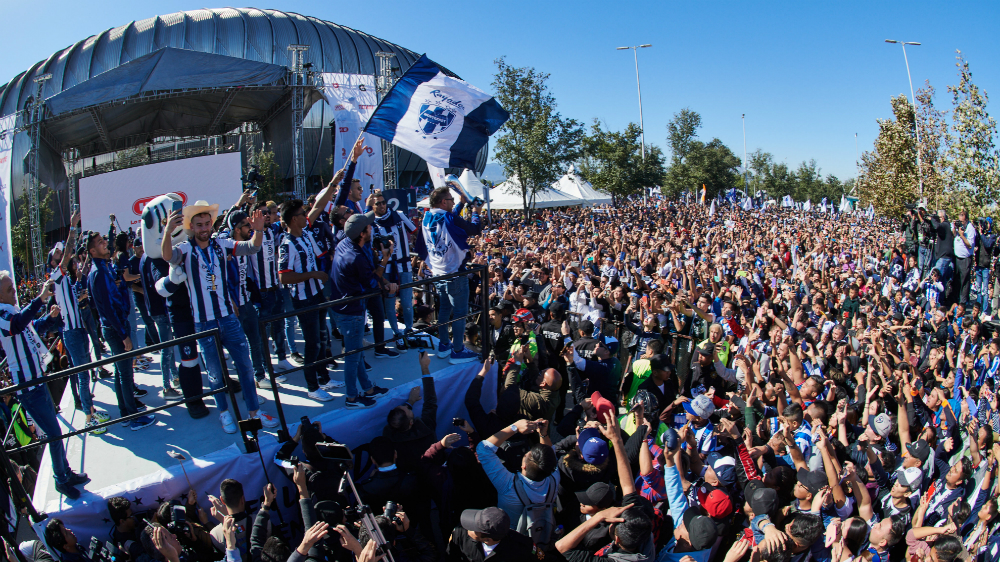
<point x="21" y="498"/>
<point x="481" y="270"/>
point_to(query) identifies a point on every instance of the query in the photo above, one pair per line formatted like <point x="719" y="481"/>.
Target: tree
<point x="20" y="232"/>
<point x="694" y="163"/>
<point x="614" y="162"/>
<point x="932" y="145"/>
<point x="972" y="154"/>
<point x="536" y="144"/>
<point x="888" y="178"/>
<point x="271" y="185"/>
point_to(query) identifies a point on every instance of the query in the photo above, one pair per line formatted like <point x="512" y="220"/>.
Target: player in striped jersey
<point x="243" y="289"/>
<point x="265" y="270"/>
<point x="26" y="359"/>
<point x="74" y="333"/>
<point x="202" y="258"/>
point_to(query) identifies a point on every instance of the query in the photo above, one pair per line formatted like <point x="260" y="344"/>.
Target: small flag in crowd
<point x="703" y="190"/>
<point x="444" y="120"/>
<point x="711" y="210"/>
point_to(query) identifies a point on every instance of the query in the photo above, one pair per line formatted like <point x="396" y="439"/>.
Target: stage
<point x="136" y="464"/>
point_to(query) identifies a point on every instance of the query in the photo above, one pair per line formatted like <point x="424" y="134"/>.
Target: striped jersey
<point x="207" y="283"/>
<point x="67" y="298"/>
<point x="241" y="268"/>
<point x="400" y="228"/>
<point x="300" y="254"/>
<point x="265" y="262"/>
<point x="25" y="351"/>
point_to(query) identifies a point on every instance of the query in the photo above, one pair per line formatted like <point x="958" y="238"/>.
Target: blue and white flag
<point x="444" y="120"/>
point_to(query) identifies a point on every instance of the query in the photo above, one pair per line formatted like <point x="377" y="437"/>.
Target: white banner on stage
<point x="124" y="193"/>
<point x="88" y="516"/>
<point x="437" y="175"/>
<point x="353" y="99"/>
<point x="6" y="192"/>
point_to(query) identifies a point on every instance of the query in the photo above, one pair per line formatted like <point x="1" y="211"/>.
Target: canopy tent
<point x="507" y="195"/>
<point x="470" y="182"/>
<point x="169" y="92"/>
<point x="575" y="186"/>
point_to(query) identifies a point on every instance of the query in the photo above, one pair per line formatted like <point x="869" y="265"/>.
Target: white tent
<point x="507" y="195"/>
<point x="574" y="185"/>
<point x="470" y="182"/>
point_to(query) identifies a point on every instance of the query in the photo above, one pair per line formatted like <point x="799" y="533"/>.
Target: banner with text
<point x="124" y="193"/>
<point x="6" y="192"/>
<point x="353" y="99"/>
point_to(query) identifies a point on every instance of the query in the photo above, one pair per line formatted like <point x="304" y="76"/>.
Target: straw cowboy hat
<point x="198" y="208"/>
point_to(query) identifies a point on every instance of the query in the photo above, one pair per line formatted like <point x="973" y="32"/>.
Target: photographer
<point x="355" y="273"/>
<point x="444" y="246"/>
<point x="406" y="544"/>
<point x="398" y="228"/>
<point x="986" y="250"/>
<point x="965" y="245"/>
<point x="169" y="538"/>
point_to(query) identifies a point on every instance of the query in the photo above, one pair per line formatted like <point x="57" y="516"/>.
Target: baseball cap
<point x="882" y="425"/>
<point x="919" y="450"/>
<point x="599" y="495"/>
<point x="723" y="466"/>
<point x="715" y="501"/>
<point x="659" y="362"/>
<point x="764" y="500"/>
<point x="329" y="511"/>
<point x="586" y="327"/>
<point x="911" y="477"/>
<point x="491" y="522"/>
<point x="702" y="530"/>
<point x="357" y="224"/>
<point x="813" y="480"/>
<point x="701" y="406"/>
<point x="235" y="218"/>
<point x="602" y="404"/>
<point x="592" y="446"/>
<point x="707" y="349"/>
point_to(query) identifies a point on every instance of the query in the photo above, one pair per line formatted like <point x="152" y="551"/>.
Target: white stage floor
<point x="122" y="454"/>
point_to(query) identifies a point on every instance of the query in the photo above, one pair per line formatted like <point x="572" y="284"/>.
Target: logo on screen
<point x="141" y="203"/>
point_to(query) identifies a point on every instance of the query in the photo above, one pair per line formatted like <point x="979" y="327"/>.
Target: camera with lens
<point x="178" y="521"/>
<point x="104" y="552"/>
<point x="390" y="510"/>
<point x="381" y="241"/>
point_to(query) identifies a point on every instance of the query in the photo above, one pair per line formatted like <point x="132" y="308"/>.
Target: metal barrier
<point x="17" y="489"/>
<point x="481" y="270"/>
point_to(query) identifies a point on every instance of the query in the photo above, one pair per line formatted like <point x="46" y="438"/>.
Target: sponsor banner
<point x="6" y="192"/>
<point x="353" y="99"/>
<point x="124" y="193"/>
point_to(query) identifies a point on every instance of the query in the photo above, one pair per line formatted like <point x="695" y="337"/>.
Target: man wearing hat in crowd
<point x="585" y="463"/>
<point x="593" y="500"/>
<point x="486" y="534"/>
<point x="203" y="260"/>
<point x="697" y="533"/>
<point x="246" y="291"/>
<point x="500" y="332"/>
<point x="699" y="411"/>
<point x="355" y="272"/>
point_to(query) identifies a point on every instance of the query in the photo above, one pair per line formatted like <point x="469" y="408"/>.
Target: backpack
<point x="538" y="520"/>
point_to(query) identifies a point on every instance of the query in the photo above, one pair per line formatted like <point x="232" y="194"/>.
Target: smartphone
<point x="334" y="451"/>
<point x="176" y="206"/>
<point x="457" y="422"/>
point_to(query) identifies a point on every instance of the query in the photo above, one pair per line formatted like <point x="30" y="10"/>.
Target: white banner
<point x="88" y="516"/>
<point x="6" y="192"/>
<point x="437" y="175"/>
<point x="353" y="99"/>
<point x="124" y="193"/>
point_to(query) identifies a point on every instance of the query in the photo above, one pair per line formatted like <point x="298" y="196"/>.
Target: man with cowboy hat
<point x="203" y="260"/>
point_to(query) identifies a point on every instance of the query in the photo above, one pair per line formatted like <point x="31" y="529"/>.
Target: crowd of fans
<point x="673" y="385"/>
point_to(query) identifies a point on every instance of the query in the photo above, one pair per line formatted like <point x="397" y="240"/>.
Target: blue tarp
<point x="165" y="70"/>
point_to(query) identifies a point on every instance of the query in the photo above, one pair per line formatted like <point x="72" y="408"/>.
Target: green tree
<point x="932" y="145"/>
<point x="20" y="231"/>
<point x="537" y="143"/>
<point x="888" y="178"/>
<point x="271" y="185"/>
<point x="615" y="164"/>
<point x="694" y="163"/>
<point x="972" y="154"/>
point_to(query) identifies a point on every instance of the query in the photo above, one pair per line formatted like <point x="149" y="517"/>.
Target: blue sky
<point x="808" y="75"/>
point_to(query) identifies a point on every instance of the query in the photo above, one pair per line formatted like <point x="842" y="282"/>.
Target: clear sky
<point x="808" y="75"/>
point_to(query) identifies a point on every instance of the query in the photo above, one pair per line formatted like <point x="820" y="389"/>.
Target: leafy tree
<point x="972" y="154"/>
<point x="932" y="145"/>
<point x="694" y="163"/>
<point x="536" y="143"/>
<point x="20" y="231"/>
<point x="614" y="162"/>
<point x="888" y="178"/>
<point x="271" y="185"/>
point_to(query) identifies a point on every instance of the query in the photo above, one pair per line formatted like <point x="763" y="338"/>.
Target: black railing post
<point x="484" y="320"/>
<point x="283" y="430"/>
<point x="249" y="447"/>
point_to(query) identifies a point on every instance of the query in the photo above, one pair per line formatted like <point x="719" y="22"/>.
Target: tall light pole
<point x="642" y="131"/>
<point x="913" y="99"/>
<point x="746" y="170"/>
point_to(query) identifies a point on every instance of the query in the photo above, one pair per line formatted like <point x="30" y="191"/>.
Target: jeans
<point x="309" y="322"/>
<point x="981" y="282"/>
<point x="353" y="329"/>
<point x="946" y="267"/>
<point x="374" y="306"/>
<point x="38" y="403"/>
<point x="95" y="337"/>
<point x="923" y="259"/>
<point x="159" y="329"/>
<point x="124" y="383"/>
<point x="287" y="306"/>
<point x="454" y="298"/>
<point x="251" y="327"/>
<point x="235" y="341"/>
<point x="272" y="303"/>
<point x="407" y="305"/>
<point x="133" y="326"/>
<point x="76" y="342"/>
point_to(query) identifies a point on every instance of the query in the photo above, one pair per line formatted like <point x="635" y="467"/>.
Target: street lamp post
<point x="642" y="131"/>
<point x="913" y="99"/>
<point x="746" y="170"/>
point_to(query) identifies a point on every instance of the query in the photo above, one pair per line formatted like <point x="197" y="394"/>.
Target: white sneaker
<point x="264" y="384"/>
<point x="266" y="419"/>
<point x="333" y="384"/>
<point x="285" y="365"/>
<point x="228" y="425"/>
<point x="320" y="395"/>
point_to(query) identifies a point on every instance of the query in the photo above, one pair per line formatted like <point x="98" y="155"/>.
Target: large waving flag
<point x="444" y="120"/>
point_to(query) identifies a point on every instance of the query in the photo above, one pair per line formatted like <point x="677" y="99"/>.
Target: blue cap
<point x="592" y="446"/>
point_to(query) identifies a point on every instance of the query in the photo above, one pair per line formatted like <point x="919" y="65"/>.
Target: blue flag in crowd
<point x="444" y="120"/>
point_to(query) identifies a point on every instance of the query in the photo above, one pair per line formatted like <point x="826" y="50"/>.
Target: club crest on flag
<point x="434" y="118"/>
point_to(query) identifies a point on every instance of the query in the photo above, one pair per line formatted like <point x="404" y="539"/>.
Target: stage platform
<point x="121" y="455"/>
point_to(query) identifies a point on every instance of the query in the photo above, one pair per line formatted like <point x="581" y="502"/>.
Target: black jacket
<point x="515" y="547"/>
<point x="411" y="444"/>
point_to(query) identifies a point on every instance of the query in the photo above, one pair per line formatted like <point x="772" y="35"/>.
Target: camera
<point x="178" y="521"/>
<point x="106" y="552"/>
<point x="381" y="241"/>
<point x="457" y="422"/>
<point x="390" y="512"/>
